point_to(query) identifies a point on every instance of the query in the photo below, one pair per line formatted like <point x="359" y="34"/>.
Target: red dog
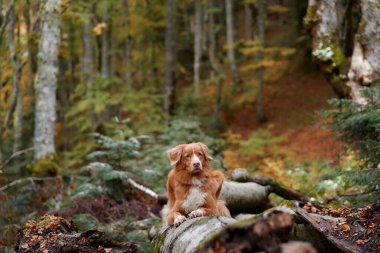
<point x="193" y="188"/>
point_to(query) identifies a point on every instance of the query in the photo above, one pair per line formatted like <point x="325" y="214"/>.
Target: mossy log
<point x="241" y="175"/>
<point x="223" y="234"/>
<point x="190" y="235"/>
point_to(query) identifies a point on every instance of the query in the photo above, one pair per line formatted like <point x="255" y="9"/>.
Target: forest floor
<point x="292" y="106"/>
<point x="295" y="134"/>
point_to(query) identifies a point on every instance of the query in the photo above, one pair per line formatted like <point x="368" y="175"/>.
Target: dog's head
<point x="193" y="157"/>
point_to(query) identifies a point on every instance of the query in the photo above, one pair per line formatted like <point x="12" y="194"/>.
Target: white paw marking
<point x="196" y="213"/>
<point x="179" y="220"/>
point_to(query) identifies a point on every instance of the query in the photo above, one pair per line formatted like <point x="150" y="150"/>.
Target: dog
<point x="193" y="188"/>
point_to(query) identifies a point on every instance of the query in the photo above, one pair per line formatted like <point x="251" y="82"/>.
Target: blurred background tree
<point x="245" y="77"/>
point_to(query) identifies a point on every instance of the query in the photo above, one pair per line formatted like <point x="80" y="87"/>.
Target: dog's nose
<point x="197" y="165"/>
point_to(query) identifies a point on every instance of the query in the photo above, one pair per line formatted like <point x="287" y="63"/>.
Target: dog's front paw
<point x="196" y="213"/>
<point x="179" y="220"/>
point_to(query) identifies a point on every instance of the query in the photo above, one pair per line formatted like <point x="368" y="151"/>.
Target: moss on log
<point x="223" y="234"/>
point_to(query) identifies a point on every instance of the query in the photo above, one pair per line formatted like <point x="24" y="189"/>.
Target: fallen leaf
<point x="345" y="227"/>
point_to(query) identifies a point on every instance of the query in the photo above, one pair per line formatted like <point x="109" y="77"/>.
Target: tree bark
<point x="323" y="21"/>
<point x="197" y="45"/>
<point x="322" y="224"/>
<point x="88" y="58"/>
<point x="261" y="20"/>
<point x="241" y="175"/>
<point x="29" y="48"/>
<point x="105" y="67"/>
<point x="223" y="234"/>
<point x="127" y="46"/>
<point x="46" y="82"/>
<point x="17" y="92"/>
<point x="248" y="21"/>
<point x="230" y="42"/>
<point x="365" y="61"/>
<point x="169" y="57"/>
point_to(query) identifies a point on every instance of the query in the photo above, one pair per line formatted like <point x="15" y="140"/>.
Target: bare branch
<point x="31" y="179"/>
<point x="14" y="155"/>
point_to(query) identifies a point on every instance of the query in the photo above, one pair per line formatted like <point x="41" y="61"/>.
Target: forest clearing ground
<point x="291" y="105"/>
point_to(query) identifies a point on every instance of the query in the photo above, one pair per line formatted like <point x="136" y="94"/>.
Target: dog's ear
<point x="205" y="150"/>
<point x="174" y="154"/>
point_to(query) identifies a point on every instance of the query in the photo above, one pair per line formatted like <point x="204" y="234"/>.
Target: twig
<point x="15" y="154"/>
<point x="31" y="179"/>
<point x="143" y="188"/>
<point x="5" y="18"/>
<point x="359" y="193"/>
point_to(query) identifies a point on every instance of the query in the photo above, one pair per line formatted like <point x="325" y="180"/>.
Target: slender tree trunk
<point x="197" y="45"/>
<point x="230" y="42"/>
<point x="365" y="61"/>
<point x="261" y="18"/>
<point x="216" y="69"/>
<point x="1" y="24"/>
<point x="169" y="56"/>
<point x="72" y="58"/>
<point x="205" y="24"/>
<point x="88" y="56"/>
<point x="29" y="47"/>
<point x="105" y="70"/>
<point x="46" y="82"/>
<point x="150" y="45"/>
<point x="127" y="46"/>
<point x="16" y="66"/>
<point x="212" y="40"/>
<point x="248" y="21"/>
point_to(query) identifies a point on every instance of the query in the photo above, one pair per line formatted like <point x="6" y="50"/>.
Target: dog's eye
<point x="187" y="155"/>
<point x="200" y="153"/>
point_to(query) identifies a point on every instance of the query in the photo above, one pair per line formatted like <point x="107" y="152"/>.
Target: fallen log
<point x="223" y="234"/>
<point x="241" y="175"/>
<point x="189" y="235"/>
<point x="55" y="235"/>
<point x="239" y="197"/>
<point x="348" y="230"/>
<point x="244" y="197"/>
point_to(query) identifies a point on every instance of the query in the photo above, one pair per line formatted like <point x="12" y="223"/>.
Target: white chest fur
<point x="195" y="197"/>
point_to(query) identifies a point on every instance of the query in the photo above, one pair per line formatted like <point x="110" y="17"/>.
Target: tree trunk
<point x="127" y="46"/>
<point x="105" y="68"/>
<point x="16" y="67"/>
<point x="169" y="57"/>
<point x="29" y="84"/>
<point x="197" y="45"/>
<point x="205" y="24"/>
<point x="46" y="82"/>
<point x="365" y="61"/>
<point x="88" y="58"/>
<point x="248" y="21"/>
<point x="230" y="42"/>
<point x="261" y="19"/>
<point x="323" y="21"/>
<point x="212" y="40"/>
